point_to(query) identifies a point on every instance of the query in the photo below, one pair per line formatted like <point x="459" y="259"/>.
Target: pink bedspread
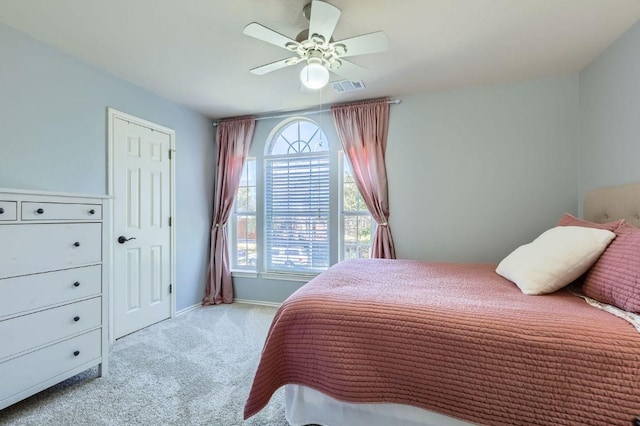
<point x="456" y="339"/>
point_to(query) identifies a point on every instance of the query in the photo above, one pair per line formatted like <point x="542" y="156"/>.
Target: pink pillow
<point x="570" y="220"/>
<point x="615" y="277"/>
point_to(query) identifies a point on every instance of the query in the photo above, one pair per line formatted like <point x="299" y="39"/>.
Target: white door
<point x="142" y="246"/>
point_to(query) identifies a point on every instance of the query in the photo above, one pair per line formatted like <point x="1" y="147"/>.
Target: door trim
<point x="112" y="114"/>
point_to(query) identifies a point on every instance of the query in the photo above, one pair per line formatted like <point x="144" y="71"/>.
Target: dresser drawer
<point x="36" y="291"/>
<point x="8" y="210"/>
<point x="32" y="248"/>
<point x="29" y="331"/>
<point x="25" y="372"/>
<point x="60" y="211"/>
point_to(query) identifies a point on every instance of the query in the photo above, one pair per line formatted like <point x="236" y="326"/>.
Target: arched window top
<point x="297" y="136"/>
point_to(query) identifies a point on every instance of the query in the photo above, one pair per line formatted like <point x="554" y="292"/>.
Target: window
<point x="357" y="224"/>
<point x="297" y="199"/>
<point x="244" y="219"/>
<point x="297" y="209"/>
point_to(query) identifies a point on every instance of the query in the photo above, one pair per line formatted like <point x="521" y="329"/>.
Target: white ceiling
<point x="194" y="52"/>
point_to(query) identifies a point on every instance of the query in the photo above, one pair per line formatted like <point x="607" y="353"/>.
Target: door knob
<point x="122" y="239"/>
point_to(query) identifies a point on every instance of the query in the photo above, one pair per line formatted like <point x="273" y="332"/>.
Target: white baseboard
<point x="257" y="302"/>
<point x="188" y="309"/>
<point x="246" y="302"/>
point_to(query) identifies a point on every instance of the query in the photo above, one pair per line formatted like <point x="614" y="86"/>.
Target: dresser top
<point x="14" y="191"/>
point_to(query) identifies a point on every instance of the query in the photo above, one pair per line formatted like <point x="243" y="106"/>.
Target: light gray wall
<point x="609" y="130"/>
<point x="53" y="115"/>
<point x="473" y="173"/>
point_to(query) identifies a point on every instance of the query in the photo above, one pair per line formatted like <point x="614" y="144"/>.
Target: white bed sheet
<point x="304" y="406"/>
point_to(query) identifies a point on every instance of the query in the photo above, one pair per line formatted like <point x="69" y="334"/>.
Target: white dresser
<point x="53" y="305"/>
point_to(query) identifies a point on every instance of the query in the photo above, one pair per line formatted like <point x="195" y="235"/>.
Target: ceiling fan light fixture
<point x="314" y="76"/>
<point x="317" y="47"/>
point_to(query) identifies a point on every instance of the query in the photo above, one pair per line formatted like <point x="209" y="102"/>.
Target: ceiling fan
<point x="316" y="47"/>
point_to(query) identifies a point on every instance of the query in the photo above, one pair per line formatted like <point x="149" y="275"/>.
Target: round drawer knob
<point x="76" y="284"/>
<point x="76" y="353"/>
<point x="92" y="211"/>
<point x="76" y="319"/>
<point x="40" y="211"/>
<point x="1" y="210"/>
<point x="76" y="244"/>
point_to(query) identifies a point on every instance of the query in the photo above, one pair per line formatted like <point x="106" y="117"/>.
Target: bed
<point x="402" y="342"/>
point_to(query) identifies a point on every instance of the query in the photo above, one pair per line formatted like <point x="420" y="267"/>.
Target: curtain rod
<point x="303" y="112"/>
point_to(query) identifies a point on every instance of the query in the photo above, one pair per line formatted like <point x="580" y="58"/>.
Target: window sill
<point x="244" y="274"/>
<point x="289" y="276"/>
<point x="278" y="276"/>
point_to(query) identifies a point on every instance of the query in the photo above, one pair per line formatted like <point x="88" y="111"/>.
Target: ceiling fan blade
<point x="350" y="70"/>
<point x="275" y="65"/>
<point x="266" y="34"/>
<point x="364" y="44"/>
<point x="324" y="18"/>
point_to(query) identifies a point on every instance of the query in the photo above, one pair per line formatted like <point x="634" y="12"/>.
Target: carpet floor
<point x="195" y="369"/>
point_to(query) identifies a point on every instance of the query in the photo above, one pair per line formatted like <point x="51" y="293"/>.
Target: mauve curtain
<point x="234" y="139"/>
<point x="362" y="128"/>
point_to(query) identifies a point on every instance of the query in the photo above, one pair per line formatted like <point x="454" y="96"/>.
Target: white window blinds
<point x="297" y="212"/>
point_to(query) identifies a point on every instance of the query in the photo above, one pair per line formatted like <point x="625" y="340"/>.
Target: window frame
<point x="233" y="220"/>
<point x="326" y="154"/>
<point x="342" y="160"/>
<point x="336" y="195"/>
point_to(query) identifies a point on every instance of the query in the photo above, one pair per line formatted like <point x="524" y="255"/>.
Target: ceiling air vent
<point x="347" y="85"/>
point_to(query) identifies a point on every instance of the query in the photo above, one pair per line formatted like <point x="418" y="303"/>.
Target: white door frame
<point x="112" y="114"/>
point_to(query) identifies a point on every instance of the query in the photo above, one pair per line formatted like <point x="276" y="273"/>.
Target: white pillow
<point x="555" y="258"/>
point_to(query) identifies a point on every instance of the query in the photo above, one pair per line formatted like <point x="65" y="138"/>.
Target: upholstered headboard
<point x="617" y="202"/>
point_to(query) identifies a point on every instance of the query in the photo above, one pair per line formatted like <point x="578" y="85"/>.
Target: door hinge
<point x="170" y="221"/>
<point x="170" y="288"/>
<point x="171" y="151"/>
